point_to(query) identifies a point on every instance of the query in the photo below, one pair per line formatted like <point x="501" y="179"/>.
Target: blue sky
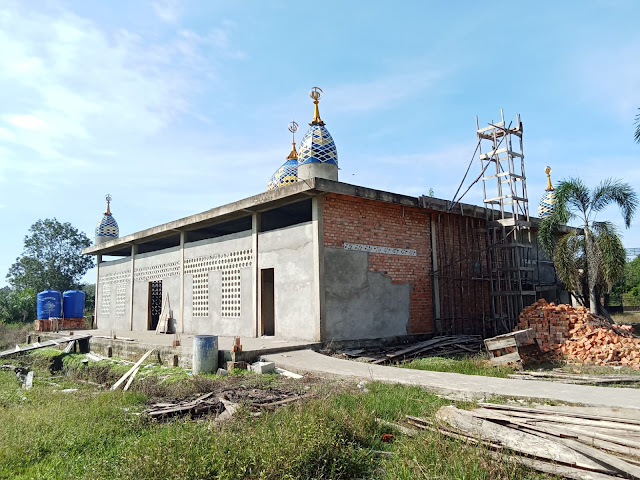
<point x="175" y="107"/>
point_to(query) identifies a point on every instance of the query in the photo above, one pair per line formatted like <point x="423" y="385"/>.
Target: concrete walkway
<point x="458" y="385"/>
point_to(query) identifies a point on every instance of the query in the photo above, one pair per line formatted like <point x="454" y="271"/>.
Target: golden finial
<point x="108" y="199"/>
<point x="316" y="95"/>
<point x="293" y="128"/>
<point x="547" y="170"/>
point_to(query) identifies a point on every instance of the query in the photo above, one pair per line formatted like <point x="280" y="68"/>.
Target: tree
<point x="17" y="306"/>
<point x="637" y="133"/>
<point x="593" y="252"/>
<point x="51" y="258"/>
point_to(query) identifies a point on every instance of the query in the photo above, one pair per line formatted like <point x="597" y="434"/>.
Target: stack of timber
<point x="580" y="336"/>
<point x="200" y="406"/>
<point x="434" y="347"/>
<point x="576" y="378"/>
<point x="571" y="442"/>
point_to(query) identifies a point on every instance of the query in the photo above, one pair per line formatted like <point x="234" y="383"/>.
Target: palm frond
<point x="573" y="193"/>
<point x="569" y="259"/>
<point x="615" y="191"/>
<point x="637" y="133"/>
<point x="611" y="253"/>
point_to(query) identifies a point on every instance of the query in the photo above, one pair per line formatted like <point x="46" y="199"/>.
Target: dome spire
<point x="293" y="128"/>
<point x="547" y="170"/>
<point x="108" y="199"/>
<point x="316" y="95"/>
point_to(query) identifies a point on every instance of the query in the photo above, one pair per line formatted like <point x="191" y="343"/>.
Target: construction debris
<point x="434" y="347"/>
<point x="580" y="336"/>
<point x="132" y="371"/>
<point x="48" y="343"/>
<point x="225" y="401"/>
<point x="507" y="348"/>
<point x="572" y="444"/>
<point x="263" y="367"/>
<point x="575" y="378"/>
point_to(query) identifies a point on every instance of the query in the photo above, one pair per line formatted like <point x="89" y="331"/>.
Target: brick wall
<point x="357" y="220"/>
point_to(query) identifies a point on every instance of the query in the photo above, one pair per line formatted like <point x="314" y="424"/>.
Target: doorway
<point x="267" y="302"/>
<point x="155" y="303"/>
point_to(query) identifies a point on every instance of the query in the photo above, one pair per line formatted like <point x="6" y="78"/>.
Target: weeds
<point x="465" y="364"/>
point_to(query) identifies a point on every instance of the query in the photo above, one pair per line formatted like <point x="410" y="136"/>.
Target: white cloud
<point x="28" y="122"/>
<point x="169" y="11"/>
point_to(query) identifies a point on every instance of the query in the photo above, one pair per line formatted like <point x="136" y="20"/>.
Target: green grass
<point x="91" y="434"/>
<point x="466" y="364"/>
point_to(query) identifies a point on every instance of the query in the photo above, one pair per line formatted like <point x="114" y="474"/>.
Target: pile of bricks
<point x="580" y="336"/>
<point x="49" y="324"/>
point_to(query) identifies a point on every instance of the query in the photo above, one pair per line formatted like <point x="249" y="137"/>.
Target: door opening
<point x="267" y="302"/>
<point x="155" y="304"/>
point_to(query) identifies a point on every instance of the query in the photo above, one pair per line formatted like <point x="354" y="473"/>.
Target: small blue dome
<point x="107" y="227"/>
<point x="547" y="204"/>
<point x="285" y="175"/>
<point x="318" y="146"/>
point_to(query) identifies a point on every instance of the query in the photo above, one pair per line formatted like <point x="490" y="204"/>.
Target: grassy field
<point x="96" y="434"/>
<point x="626" y="317"/>
<point x="466" y="364"/>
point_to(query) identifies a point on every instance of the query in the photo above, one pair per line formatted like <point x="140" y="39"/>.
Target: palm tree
<point x="593" y="253"/>
<point x="636" y="136"/>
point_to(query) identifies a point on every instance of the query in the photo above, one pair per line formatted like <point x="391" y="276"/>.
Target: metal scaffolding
<point x="509" y="247"/>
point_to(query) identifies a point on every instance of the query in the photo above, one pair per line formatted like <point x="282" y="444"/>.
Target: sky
<point x="175" y="107"/>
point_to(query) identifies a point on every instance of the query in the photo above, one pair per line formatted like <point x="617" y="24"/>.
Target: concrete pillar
<point x="435" y="287"/>
<point x="134" y="251"/>
<point x="307" y="171"/>
<point x="255" y="277"/>
<point x="182" y="237"/>
<point x="318" y="268"/>
<point x="95" y="297"/>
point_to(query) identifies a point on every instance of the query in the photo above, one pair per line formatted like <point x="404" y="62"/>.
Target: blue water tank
<point x="73" y="304"/>
<point x="49" y="304"/>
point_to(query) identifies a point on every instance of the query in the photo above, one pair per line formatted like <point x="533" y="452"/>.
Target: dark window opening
<point x="286" y="216"/>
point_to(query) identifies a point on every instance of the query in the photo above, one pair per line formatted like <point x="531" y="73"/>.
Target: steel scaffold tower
<point x="509" y="247"/>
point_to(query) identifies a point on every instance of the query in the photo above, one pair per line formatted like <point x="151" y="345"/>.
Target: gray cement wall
<point x="220" y="248"/>
<point x="361" y="303"/>
<point x="289" y="251"/>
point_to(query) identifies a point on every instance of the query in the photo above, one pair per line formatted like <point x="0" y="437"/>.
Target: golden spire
<point x="316" y="95"/>
<point x="547" y="170"/>
<point x="108" y="199"/>
<point x="293" y="128"/>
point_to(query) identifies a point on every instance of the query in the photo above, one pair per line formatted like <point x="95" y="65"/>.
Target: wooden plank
<point x="508" y="358"/>
<point x="568" y="417"/>
<point x="37" y="345"/>
<point x="492" y="344"/>
<point x="130" y="381"/>
<point x="136" y="365"/>
<point x="554" y="469"/>
<point x="516" y="440"/>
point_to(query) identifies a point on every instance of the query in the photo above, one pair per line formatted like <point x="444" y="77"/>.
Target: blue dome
<point x="107" y="227"/>
<point x="547" y="204"/>
<point x="317" y="146"/>
<point x="285" y="175"/>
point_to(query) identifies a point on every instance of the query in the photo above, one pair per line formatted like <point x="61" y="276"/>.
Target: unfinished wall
<point x="289" y="251"/>
<point x="218" y="286"/>
<point x="113" y="295"/>
<point x="461" y="274"/>
<point x="377" y="263"/>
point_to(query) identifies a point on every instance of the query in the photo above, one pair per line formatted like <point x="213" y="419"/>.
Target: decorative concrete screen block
<point x="116" y="277"/>
<point x="407" y="252"/>
<point x="263" y="367"/>
<point x="157" y="272"/>
<point x="229" y="264"/>
<point x="121" y="294"/>
<point x="105" y="303"/>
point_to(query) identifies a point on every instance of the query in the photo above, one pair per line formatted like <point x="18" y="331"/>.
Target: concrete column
<point x="95" y="298"/>
<point x="255" y="277"/>
<point x="134" y="251"/>
<point x="182" y="237"/>
<point x="435" y="287"/>
<point x="318" y="268"/>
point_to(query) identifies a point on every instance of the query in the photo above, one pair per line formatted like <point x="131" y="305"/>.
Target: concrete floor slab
<point x="461" y="386"/>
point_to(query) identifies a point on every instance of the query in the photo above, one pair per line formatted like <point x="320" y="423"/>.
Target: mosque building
<point x="311" y="258"/>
